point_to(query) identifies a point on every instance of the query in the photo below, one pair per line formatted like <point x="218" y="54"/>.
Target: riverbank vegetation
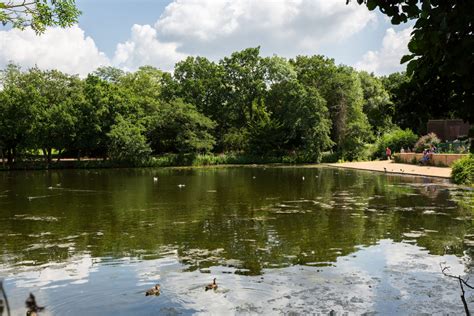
<point x="244" y="107"/>
<point x="463" y="170"/>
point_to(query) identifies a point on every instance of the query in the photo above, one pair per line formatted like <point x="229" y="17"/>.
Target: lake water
<point x="279" y="240"/>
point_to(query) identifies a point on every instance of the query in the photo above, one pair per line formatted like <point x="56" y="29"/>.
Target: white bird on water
<point x="302" y="178"/>
<point x="181" y="185"/>
<point x="155" y="179"/>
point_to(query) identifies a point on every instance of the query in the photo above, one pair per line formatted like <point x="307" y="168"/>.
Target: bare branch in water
<point x="4" y="294"/>
<point x="461" y="282"/>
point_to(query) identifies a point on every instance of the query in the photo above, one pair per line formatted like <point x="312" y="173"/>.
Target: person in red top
<point x="388" y="152"/>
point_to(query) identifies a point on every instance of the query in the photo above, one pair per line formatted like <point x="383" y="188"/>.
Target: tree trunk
<point x="9" y="157"/>
<point x="49" y="155"/>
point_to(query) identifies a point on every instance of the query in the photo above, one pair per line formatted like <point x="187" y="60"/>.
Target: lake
<point x="278" y="240"/>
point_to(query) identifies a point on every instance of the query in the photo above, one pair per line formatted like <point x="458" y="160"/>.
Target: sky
<point x="131" y="33"/>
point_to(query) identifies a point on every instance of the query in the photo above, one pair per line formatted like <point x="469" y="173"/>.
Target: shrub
<point x="178" y="127"/>
<point x="127" y="144"/>
<point x="235" y="139"/>
<point x="329" y="157"/>
<point x="426" y="141"/>
<point x="395" y="140"/>
<point x="463" y="170"/>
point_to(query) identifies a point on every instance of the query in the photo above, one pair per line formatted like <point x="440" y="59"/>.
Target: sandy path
<point x="391" y="167"/>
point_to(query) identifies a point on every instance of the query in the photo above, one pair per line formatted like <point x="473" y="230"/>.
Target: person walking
<point x="388" y="152"/>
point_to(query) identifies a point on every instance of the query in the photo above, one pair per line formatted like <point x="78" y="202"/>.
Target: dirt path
<point x="391" y="167"/>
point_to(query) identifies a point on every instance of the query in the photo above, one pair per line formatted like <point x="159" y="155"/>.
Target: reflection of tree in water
<point x="225" y="216"/>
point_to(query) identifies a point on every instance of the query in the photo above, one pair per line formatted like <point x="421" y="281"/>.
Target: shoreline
<point x="384" y="166"/>
<point x="388" y="166"/>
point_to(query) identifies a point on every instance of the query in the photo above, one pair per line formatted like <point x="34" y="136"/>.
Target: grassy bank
<point x="169" y="160"/>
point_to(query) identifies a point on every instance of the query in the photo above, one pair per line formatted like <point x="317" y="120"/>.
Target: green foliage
<point x="377" y="105"/>
<point x="235" y="139"/>
<point x="299" y="120"/>
<point x="17" y="111"/>
<point x="264" y="109"/>
<point x="39" y="14"/>
<point x="454" y="147"/>
<point x="55" y="105"/>
<point x="340" y="86"/>
<point x="463" y="170"/>
<point x="127" y="144"/>
<point x="109" y="74"/>
<point x="424" y="142"/>
<point x="395" y="140"/>
<point x="179" y="128"/>
<point x="329" y="157"/>
<point x="266" y="136"/>
<point x="440" y="62"/>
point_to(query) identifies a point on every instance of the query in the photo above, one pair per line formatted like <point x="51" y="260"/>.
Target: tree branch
<point x="461" y="282"/>
<point x="5" y="297"/>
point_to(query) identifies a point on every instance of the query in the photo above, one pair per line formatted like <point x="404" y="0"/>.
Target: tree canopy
<point x="441" y="59"/>
<point x="245" y="104"/>
<point x="38" y="14"/>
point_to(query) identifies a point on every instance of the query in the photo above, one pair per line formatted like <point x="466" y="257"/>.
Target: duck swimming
<point x="153" y="291"/>
<point x="212" y="286"/>
<point x="32" y="307"/>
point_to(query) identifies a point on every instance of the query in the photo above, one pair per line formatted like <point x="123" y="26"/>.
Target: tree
<point x="109" y="73"/>
<point x="143" y="89"/>
<point x="178" y="127"/>
<point x="377" y="104"/>
<point x="105" y="101"/>
<point x="38" y="14"/>
<point x="340" y="86"/>
<point x="441" y="62"/>
<point x="16" y="111"/>
<point x="199" y="81"/>
<point x="409" y="110"/>
<point x="55" y="106"/>
<point x="127" y="143"/>
<point x="299" y="120"/>
<point x="244" y="83"/>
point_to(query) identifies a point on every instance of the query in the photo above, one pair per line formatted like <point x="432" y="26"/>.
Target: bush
<point x="178" y="127"/>
<point x="395" y="140"/>
<point x="426" y="141"/>
<point x="329" y="157"/>
<point x="127" y="144"/>
<point x="463" y="170"/>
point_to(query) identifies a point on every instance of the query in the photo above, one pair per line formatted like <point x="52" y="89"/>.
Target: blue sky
<point x="109" y="21"/>
<point x="131" y="33"/>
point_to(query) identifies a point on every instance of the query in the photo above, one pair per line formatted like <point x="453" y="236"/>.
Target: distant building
<point x="448" y="129"/>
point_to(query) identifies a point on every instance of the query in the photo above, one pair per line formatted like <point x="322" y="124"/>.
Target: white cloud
<point x="68" y="50"/>
<point x="286" y="27"/>
<point x="211" y="28"/>
<point x="216" y="28"/>
<point x="387" y="59"/>
<point x="144" y="48"/>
